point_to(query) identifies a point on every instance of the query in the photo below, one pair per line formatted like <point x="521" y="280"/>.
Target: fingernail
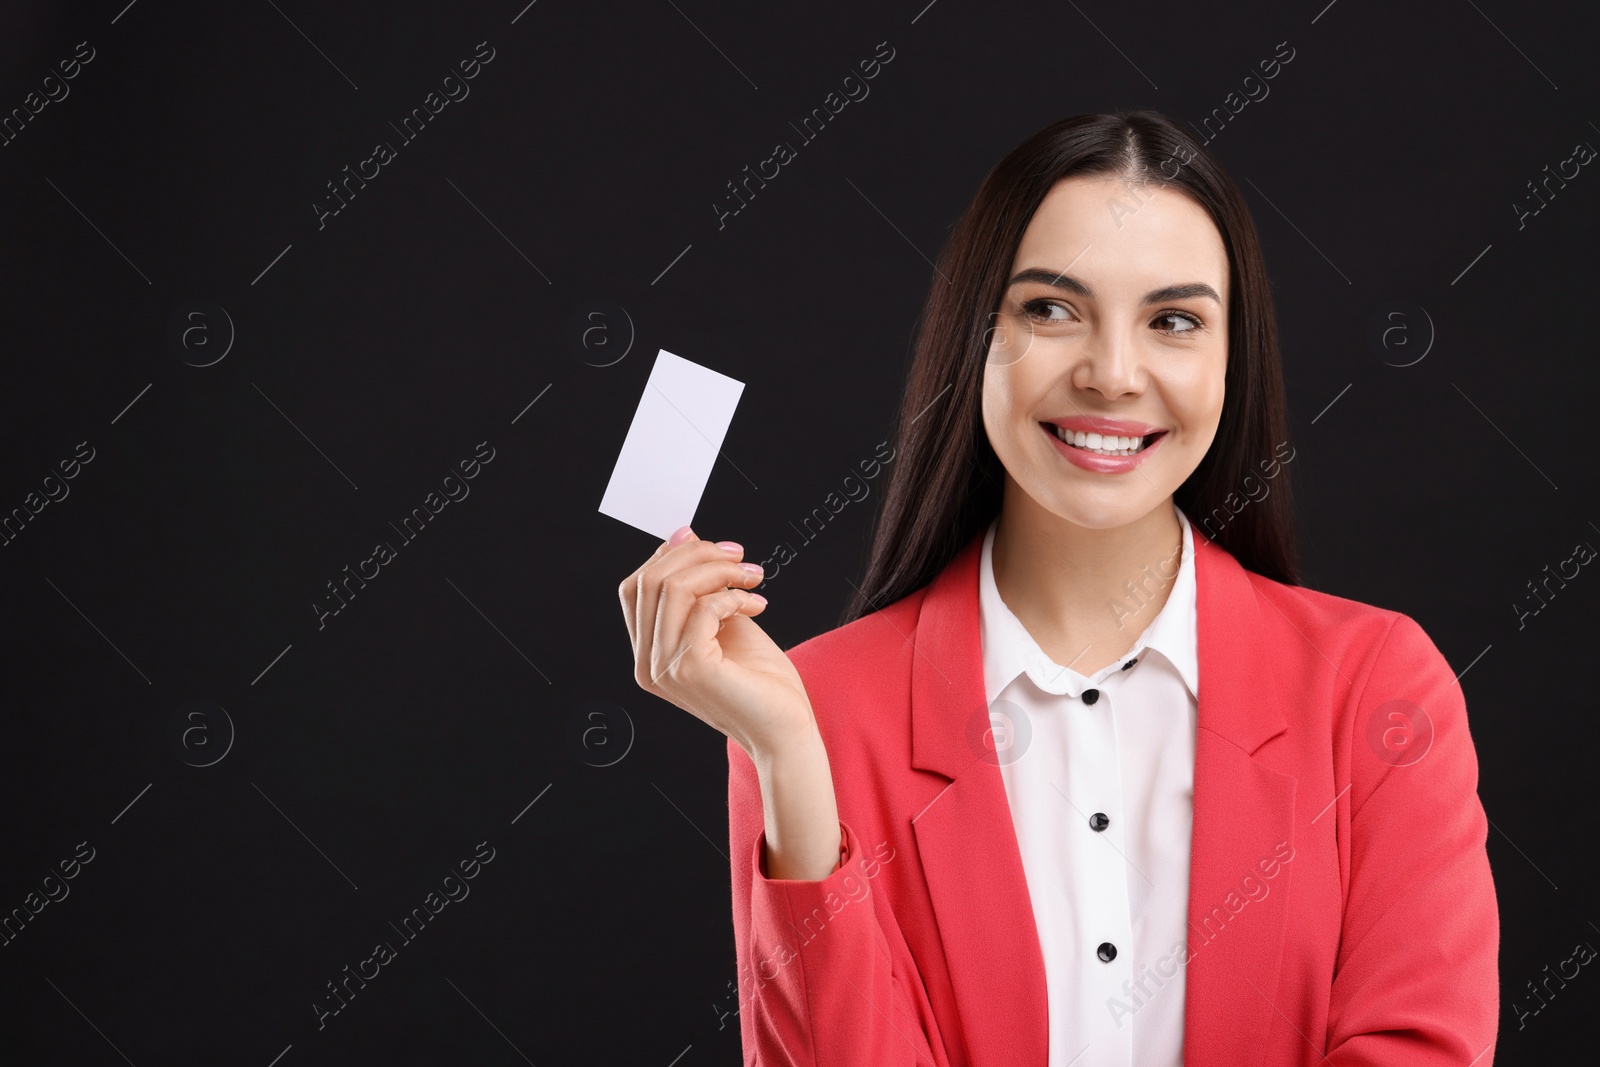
<point x="759" y="597"/>
<point x="753" y="568"/>
<point x="682" y="534"/>
<point x="730" y="546"/>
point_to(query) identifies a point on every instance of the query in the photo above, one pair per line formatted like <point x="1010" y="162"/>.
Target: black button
<point x="1107" y="951"/>
<point x="1091" y="695"/>
<point x="1128" y="664"/>
<point x="1098" y="821"/>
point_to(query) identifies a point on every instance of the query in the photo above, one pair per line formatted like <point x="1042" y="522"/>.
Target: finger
<point x="677" y="593"/>
<point x="706" y="618"/>
<point x="637" y="603"/>
<point x="647" y="594"/>
<point x="712" y="610"/>
<point x="628" y="588"/>
<point x="684" y="554"/>
<point x="647" y="591"/>
<point x="628" y="593"/>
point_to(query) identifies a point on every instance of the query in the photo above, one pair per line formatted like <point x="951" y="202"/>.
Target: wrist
<point x="785" y="742"/>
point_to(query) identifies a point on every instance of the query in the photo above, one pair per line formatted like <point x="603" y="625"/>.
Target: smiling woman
<point x="1078" y="806"/>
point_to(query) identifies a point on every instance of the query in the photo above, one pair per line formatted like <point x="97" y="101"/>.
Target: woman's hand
<point x="695" y="645"/>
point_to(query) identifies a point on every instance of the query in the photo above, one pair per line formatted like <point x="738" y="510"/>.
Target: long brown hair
<point x="946" y="482"/>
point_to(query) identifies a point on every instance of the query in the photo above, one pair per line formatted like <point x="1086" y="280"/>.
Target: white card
<point x="672" y="445"/>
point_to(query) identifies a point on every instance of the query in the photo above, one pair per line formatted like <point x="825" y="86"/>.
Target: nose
<point x="1109" y="363"/>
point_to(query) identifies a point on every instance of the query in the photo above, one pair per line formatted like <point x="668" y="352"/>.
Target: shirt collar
<point x="1009" y="650"/>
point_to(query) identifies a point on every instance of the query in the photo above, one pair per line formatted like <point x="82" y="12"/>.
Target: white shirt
<point x="1128" y="756"/>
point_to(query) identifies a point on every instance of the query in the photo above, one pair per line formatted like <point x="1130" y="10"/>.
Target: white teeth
<point x="1102" y="444"/>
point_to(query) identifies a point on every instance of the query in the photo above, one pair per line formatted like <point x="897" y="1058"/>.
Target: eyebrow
<point x="1062" y="280"/>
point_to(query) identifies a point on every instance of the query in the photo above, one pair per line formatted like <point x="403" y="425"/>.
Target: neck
<point x="1085" y="595"/>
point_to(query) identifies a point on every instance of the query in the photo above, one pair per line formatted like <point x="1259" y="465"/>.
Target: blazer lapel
<point x="965" y="836"/>
<point x="973" y="866"/>
<point x="1243" y="810"/>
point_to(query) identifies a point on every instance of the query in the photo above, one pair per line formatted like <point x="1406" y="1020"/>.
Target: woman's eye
<point x="1043" y="310"/>
<point x="1188" y="322"/>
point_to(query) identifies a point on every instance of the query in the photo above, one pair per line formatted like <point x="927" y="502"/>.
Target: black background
<point x="371" y="355"/>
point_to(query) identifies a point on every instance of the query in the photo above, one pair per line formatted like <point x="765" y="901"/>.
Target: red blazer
<point x="1340" y="899"/>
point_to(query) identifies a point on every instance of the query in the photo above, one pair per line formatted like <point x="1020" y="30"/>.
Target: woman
<point x="1085" y="776"/>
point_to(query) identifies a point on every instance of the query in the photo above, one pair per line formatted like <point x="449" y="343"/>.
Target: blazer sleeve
<point x="817" y="986"/>
<point x="1417" y="979"/>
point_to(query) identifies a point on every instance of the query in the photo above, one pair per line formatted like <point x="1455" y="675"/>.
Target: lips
<point x="1121" y="462"/>
<point x="1102" y="425"/>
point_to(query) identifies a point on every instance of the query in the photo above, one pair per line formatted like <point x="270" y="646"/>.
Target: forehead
<point x="1111" y="232"/>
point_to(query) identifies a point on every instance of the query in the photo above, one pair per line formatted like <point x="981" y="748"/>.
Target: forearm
<point x="799" y="810"/>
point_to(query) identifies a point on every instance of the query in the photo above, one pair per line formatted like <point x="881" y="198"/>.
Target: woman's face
<point x="1113" y="325"/>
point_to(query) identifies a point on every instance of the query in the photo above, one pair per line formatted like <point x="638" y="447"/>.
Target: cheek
<point x="1002" y="418"/>
<point x="994" y="404"/>
<point x="1008" y="398"/>
<point x="1217" y="392"/>
<point x="1198" y="396"/>
<point x="1007" y="342"/>
<point x="1012" y="342"/>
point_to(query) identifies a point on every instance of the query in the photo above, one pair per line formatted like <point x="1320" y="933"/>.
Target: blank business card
<point x="672" y="445"/>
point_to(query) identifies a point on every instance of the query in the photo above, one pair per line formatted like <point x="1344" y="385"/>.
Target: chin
<point x="1100" y="511"/>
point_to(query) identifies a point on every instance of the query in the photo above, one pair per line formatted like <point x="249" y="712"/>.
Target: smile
<point x="1103" y="444"/>
<point x="1103" y="453"/>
